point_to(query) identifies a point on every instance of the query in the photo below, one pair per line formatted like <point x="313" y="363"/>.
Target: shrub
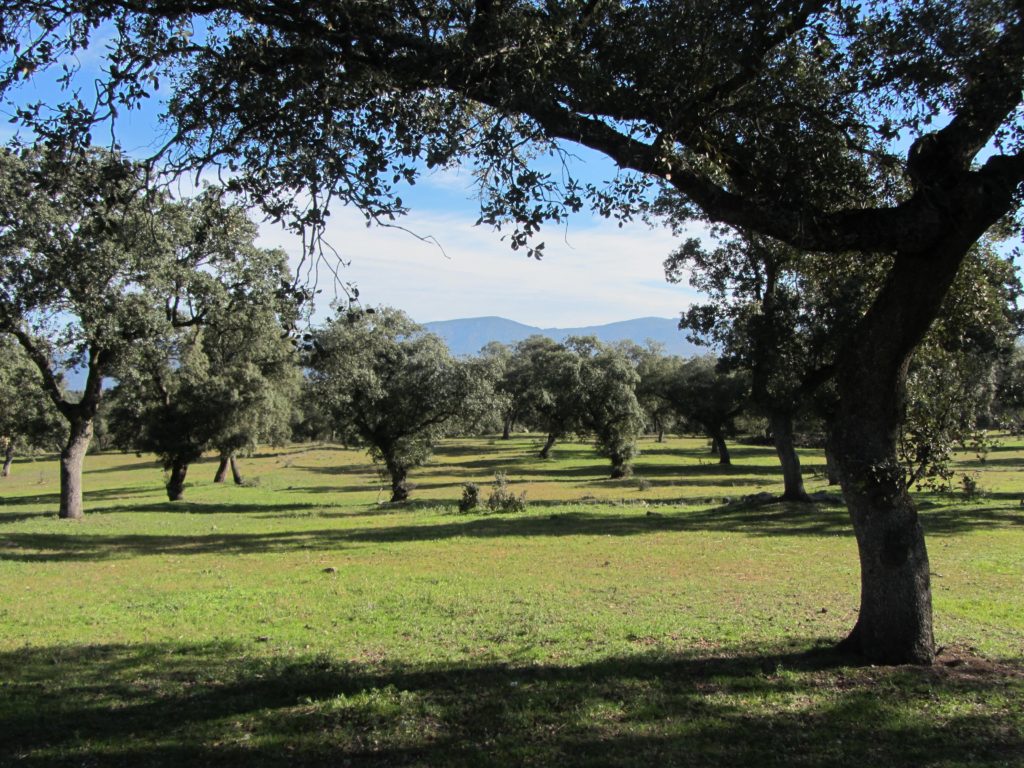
<point x="504" y="500"/>
<point x="470" y="497"/>
<point x="969" y="483"/>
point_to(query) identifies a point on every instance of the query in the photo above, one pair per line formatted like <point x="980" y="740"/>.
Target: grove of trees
<point x="883" y="135"/>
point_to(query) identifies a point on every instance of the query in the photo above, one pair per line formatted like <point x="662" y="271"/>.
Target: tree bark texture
<point x="831" y="467"/>
<point x="236" y="473"/>
<point x="548" y="445"/>
<point x="222" y="468"/>
<point x="398" y="473"/>
<point x="782" y="436"/>
<point x="71" y="459"/>
<point x="719" y="448"/>
<point x="8" y="459"/>
<point x="894" y="625"/>
<point x="506" y="428"/>
<point x="399" y="486"/>
<point x="621" y="468"/>
<point x="176" y="482"/>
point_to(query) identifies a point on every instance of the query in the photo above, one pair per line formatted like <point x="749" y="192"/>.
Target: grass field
<point x="300" y="621"/>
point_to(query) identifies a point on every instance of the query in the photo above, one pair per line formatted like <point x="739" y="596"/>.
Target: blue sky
<point x="593" y="271"/>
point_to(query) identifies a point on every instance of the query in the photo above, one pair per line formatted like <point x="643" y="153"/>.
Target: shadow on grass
<point x="217" y="704"/>
<point x="104" y="494"/>
<point x="147" y="464"/>
<point x="168" y="507"/>
<point x="991" y="463"/>
<point x="779" y="519"/>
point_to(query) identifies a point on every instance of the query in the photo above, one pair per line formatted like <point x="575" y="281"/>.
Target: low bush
<point x="504" y="500"/>
<point x="470" y="497"/>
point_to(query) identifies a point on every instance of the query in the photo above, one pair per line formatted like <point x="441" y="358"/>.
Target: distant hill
<point x="467" y="336"/>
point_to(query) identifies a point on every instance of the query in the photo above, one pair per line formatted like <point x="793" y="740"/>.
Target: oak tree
<point x="392" y="387"/>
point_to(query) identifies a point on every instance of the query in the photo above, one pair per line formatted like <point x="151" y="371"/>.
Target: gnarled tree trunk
<point x="176" y="482"/>
<point x="398" y="473"/>
<point x="228" y="460"/>
<point x="71" y="459"/>
<point x="894" y="625"/>
<point x="782" y="436"/>
<point x="399" y="485"/>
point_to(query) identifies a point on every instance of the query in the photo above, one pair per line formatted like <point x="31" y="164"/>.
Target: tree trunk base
<point x="236" y="474"/>
<point x="72" y="458"/>
<point x="222" y="470"/>
<point x="853" y="644"/>
<point x="8" y="459"/>
<point x="545" y="452"/>
<point x="176" y="483"/>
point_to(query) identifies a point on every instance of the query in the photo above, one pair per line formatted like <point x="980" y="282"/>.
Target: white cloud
<point x="592" y="272"/>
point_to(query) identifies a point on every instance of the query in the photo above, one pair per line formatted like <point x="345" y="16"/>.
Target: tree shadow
<point x="990" y="463"/>
<point x="103" y="494"/>
<point x="150" y="464"/>
<point x="220" y="704"/>
<point x="747" y="518"/>
<point x="170" y="507"/>
<point x="340" y="469"/>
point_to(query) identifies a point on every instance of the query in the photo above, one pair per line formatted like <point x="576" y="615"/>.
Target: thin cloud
<point x="594" y="272"/>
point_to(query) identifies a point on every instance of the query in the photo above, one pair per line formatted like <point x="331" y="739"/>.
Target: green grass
<point x="300" y="621"/>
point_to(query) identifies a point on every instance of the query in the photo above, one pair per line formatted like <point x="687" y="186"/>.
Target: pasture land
<point x="659" y="620"/>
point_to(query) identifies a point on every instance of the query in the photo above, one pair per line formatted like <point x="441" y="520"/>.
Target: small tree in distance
<point x="608" y="407"/>
<point x="709" y="400"/>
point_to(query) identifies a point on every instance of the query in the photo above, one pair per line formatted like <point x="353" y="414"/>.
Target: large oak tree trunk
<point x="399" y="475"/>
<point x="506" y="428"/>
<point x="236" y="473"/>
<point x="399" y="485"/>
<point x="659" y="428"/>
<point x="176" y="482"/>
<point x="894" y="625"/>
<point x="782" y="436"/>
<point x="71" y="459"/>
